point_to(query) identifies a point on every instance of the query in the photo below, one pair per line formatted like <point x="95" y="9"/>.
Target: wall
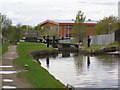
<point x="102" y="39"/>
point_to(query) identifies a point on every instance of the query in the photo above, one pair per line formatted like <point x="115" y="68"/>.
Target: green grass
<point x="37" y="76"/>
<point x="96" y="47"/>
<point x="5" y="47"/>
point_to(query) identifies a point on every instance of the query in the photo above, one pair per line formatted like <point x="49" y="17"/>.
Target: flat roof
<point x="73" y="21"/>
<point x="57" y="22"/>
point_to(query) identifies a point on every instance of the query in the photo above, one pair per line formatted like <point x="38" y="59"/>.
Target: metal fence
<point x="102" y="39"/>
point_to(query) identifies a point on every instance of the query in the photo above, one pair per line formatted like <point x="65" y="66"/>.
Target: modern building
<point x="65" y="27"/>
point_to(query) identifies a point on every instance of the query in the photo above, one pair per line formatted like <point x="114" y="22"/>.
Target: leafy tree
<point x="48" y="31"/>
<point x="26" y="29"/>
<point x="51" y="33"/>
<point x="19" y="32"/>
<point x="107" y="25"/>
<point x="5" y="24"/>
<point x="12" y="33"/>
<point x="80" y="30"/>
<point x="38" y="30"/>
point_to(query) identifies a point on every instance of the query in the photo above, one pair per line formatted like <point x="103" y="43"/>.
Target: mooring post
<point x="54" y="42"/>
<point x="89" y="40"/>
<point x="44" y="39"/>
<point x="53" y="39"/>
<point x="47" y="41"/>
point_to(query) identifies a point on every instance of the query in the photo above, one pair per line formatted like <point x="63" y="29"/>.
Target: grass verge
<point x="96" y="47"/>
<point x="5" y="47"/>
<point x="37" y="75"/>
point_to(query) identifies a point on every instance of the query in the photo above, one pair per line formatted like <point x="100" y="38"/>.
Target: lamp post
<point x="109" y="28"/>
<point x="1" y="22"/>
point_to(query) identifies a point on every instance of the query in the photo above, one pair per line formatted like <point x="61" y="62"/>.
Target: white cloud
<point x="34" y="11"/>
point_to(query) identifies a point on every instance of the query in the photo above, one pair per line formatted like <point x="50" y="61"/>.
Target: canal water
<point x="84" y="71"/>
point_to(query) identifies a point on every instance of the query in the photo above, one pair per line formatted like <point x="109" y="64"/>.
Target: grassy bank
<point x="37" y="76"/>
<point x="5" y="47"/>
<point x="96" y="47"/>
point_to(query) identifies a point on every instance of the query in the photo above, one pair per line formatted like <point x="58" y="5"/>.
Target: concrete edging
<point x="43" y="53"/>
<point x="99" y="51"/>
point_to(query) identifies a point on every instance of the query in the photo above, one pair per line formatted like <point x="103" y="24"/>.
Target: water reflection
<point x="65" y="54"/>
<point x="88" y="62"/>
<point x="47" y="62"/>
<point x="107" y="61"/>
<point x="118" y="58"/>
<point x="84" y="71"/>
<point x="78" y="61"/>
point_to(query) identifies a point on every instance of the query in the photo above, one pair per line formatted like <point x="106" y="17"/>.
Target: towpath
<point x="11" y="80"/>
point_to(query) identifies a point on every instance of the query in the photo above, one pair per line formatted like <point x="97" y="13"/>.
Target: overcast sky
<point x="32" y="12"/>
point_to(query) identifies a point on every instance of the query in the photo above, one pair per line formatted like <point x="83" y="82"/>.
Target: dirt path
<point x="7" y="60"/>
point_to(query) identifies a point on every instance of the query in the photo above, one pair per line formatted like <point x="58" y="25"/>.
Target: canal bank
<point x="81" y="50"/>
<point x="9" y="72"/>
<point x="103" y="50"/>
<point x="36" y="75"/>
<point x="84" y="71"/>
<point x="59" y="64"/>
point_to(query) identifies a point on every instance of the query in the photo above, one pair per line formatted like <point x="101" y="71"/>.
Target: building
<point x="65" y="27"/>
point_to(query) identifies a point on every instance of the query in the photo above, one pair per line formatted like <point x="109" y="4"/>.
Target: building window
<point x="69" y="27"/>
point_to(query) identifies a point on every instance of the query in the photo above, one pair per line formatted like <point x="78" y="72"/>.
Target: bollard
<point x="54" y="45"/>
<point x="89" y="40"/>
<point x="43" y="37"/>
<point x="44" y="41"/>
<point x="53" y="39"/>
<point x="47" y="41"/>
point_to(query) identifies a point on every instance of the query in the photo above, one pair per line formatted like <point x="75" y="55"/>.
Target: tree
<point x="107" y="25"/>
<point x="19" y="32"/>
<point x="10" y="32"/>
<point x="38" y="30"/>
<point x="49" y="31"/>
<point x="26" y="29"/>
<point x="80" y="30"/>
<point x="5" y="24"/>
<point x="14" y="33"/>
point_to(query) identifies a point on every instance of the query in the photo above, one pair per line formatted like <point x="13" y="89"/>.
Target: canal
<point x="84" y="71"/>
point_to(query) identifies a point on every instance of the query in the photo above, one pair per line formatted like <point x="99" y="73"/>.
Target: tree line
<point x="14" y="33"/>
<point x="107" y="25"/>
